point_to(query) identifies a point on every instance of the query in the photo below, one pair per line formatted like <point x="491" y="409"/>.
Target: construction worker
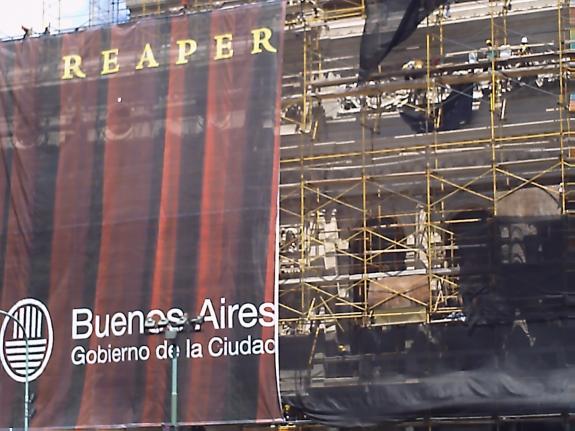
<point x="447" y="9"/>
<point x="491" y="51"/>
<point x="524" y="48"/>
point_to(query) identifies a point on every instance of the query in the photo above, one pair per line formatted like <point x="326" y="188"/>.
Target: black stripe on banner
<point x="190" y="192"/>
<point x="46" y="166"/>
<point x="20" y="55"/>
<point x="268" y="396"/>
<point x="241" y="397"/>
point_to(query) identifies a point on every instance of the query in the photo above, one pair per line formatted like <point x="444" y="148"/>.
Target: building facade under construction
<point x="425" y="215"/>
<point x="426" y="240"/>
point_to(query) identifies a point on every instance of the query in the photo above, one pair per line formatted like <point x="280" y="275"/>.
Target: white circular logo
<point x="34" y="317"/>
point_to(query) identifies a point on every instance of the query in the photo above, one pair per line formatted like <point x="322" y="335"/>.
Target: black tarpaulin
<point x="380" y="36"/>
<point x="455" y="111"/>
<point x="457" y="108"/>
<point x="511" y="351"/>
<point x="412" y="372"/>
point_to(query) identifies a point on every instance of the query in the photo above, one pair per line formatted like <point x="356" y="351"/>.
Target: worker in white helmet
<point x="524" y="48"/>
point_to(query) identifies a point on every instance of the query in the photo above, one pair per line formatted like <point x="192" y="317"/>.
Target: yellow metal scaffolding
<point x="378" y="247"/>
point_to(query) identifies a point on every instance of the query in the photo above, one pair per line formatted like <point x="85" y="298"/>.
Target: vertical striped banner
<point x="140" y="181"/>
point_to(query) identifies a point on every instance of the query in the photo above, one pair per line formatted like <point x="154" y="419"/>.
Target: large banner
<point x="139" y="179"/>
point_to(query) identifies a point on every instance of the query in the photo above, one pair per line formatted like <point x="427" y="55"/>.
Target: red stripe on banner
<point x="229" y="85"/>
<point x="165" y="258"/>
<point x="110" y="389"/>
<point x="72" y="201"/>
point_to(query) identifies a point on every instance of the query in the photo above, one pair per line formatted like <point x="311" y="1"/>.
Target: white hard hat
<point x="524" y="39"/>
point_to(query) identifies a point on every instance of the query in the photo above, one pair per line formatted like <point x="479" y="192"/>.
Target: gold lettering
<point x="186" y="47"/>
<point x="72" y="65"/>
<point x="110" y="61"/>
<point x="223" y="46"/>
<point x="261" y="37"/>
<point x="147" y="57"/>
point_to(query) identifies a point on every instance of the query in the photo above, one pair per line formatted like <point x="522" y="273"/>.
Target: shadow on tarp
<point x="516" y="268"/>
